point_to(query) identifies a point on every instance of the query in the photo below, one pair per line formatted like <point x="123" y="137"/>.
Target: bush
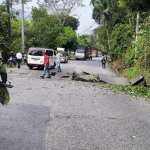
<point x="120" y="40"/>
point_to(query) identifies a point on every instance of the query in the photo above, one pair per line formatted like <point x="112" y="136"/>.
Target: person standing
<point x="46" y="66"/>
<point x="58" y="57"/>
<point x="103" y="61"/>
<point x="19" y="58"/>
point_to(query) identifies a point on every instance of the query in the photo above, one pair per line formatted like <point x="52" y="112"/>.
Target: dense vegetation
<point x="124" y="33"/>
<point x="43" y="30"/>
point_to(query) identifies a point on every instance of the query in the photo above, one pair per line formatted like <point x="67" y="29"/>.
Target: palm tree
<point x="100" y="13"/>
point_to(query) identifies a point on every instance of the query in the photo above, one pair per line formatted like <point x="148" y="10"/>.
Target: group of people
<point x="58" y="57"/>
<point x="18" y="56"/>
<point x="12" y="56"/>
<point x="46" y="64"/>
<point x="3" y="72"/>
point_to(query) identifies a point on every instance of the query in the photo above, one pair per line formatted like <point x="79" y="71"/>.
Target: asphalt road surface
<point x="61" y="114"/>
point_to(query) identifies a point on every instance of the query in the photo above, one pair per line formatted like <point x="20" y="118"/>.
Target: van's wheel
<point x="40" y="68"/>
<point x="30" y="67"/>
<point x="65" y="61"/>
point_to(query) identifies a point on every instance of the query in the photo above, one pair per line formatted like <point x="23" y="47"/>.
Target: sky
<point x="85" y="19"/>
<point x="87" y="24"/>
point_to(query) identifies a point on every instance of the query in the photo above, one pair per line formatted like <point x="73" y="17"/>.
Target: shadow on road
<point x="23" y="126"/>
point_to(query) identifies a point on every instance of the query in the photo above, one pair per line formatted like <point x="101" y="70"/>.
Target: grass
<point x="135" y="71"/>
<point x="134" y="91"/>
<point x="71" y="58"/>
<point x="5" y="65"/>
<point x="130" y="73"/>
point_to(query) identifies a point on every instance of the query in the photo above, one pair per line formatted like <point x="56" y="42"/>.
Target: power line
<point x="88" y="28"/>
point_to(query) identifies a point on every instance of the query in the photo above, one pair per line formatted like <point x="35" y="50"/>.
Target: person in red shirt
<point x="46" y="66"/>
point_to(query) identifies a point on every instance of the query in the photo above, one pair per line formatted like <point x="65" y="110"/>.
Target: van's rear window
<point x="35" y="52"/>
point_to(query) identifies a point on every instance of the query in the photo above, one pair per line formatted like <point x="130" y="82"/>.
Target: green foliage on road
<point x="134" y="91"/>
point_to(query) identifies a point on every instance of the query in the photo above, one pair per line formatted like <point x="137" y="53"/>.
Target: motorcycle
<point x="11" y="62"/>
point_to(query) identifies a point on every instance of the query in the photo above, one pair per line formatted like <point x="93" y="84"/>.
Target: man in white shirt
<point x="19" y="58"/>
<point x="58" y="56"/>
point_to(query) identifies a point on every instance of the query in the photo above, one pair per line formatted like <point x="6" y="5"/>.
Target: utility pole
<point x="22" y="26"/>
<point x="9" y="24"/>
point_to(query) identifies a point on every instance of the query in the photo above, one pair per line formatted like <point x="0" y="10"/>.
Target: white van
<point x="35" y="57"/>
<point x="64" y="55"/>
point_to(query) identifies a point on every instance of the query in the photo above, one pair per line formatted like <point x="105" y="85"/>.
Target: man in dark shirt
<point x="103" y="61"/>
<point x="11" y="56"/>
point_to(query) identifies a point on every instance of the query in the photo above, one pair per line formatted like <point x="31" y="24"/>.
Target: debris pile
<point x="86" y="77"/>
<point x="53" y="73"/>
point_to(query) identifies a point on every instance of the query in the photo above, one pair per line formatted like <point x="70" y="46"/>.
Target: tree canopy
<point x="125" y="25"/>
<point x="43" y="30"/>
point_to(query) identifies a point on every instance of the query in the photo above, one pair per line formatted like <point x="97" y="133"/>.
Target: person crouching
<point x="46" y="66"/>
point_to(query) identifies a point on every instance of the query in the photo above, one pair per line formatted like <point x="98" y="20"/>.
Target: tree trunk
<point x="106" y="20"/>
<point x="137" y="28"/>
<point x="137" y="24"/>
<point x="108" y="38"/>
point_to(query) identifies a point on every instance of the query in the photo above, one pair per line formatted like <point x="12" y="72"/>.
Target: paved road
<point x="92" y="67"/>
<point x="60" y="114"/>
